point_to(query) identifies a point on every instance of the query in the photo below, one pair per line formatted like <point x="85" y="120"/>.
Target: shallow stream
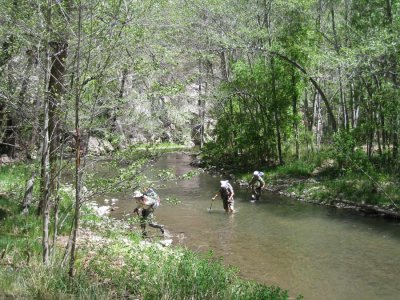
<point x="316" y="251"/>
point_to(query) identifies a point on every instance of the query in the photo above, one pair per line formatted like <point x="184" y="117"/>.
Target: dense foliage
<point x="315" y="69"/>
<point x="279" y="77"/>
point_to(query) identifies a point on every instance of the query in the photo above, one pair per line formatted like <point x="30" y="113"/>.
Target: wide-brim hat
<point x="137" y="194"/>
<point x="224" y="182"/>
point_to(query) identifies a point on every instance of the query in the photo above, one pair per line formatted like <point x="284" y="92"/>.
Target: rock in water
<point x="166" y="243"/>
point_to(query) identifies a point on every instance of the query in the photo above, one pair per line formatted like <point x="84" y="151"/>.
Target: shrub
<point x="296" y="168"/>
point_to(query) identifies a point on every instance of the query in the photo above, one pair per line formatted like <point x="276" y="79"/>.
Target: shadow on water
<point x="316" y="251"/>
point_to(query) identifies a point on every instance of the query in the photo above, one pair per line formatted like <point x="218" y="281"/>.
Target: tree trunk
<point x="116" y="125"/>
<point x="56" y="90"/>
<point x="308" y="121"/>
<point x="78" y="170"/>
<point x="224" y="71"/>
<point x="34" y="139"/>
<point x="345" y="113"/>
<point x="382" y="125"/>
<point x="389" y="13"/>
<point x="378" y="133"/>
<point x="7" y="137"/>
<point x="201" y="105"/>
<point x="43" y="208"/>
<point x="294" y="109"/>
<point x="51" y="109"/>
<point x="318" y="122"/>
<point x="268" y="25"/>
<point x="313" y="109"/>
<point x="395" y="139"/>
<point x="276" y="112"/>
<point x="28" y="194"/>
<point x="32" y="61"/>
<point x="25" y="81"/>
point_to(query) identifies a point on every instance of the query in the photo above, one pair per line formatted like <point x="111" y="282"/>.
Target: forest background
<point x="258" y="83"/>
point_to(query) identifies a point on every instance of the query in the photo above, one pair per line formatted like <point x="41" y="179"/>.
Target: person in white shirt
<point x="226" y="193"/>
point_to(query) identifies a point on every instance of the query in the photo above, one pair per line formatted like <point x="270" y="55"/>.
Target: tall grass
<point x="12" y="176"/>
<point x="34" y="280"/>
<point x="159" y="273"/>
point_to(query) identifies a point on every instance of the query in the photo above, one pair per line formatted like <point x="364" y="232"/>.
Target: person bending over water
<point x="257" y="184"/>
<point x="146" y="204"/>
<point x="226" y="193"/>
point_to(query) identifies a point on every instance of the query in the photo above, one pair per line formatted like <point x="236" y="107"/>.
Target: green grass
<point x="121" y="266"/>
<point x="296" y="168"/>
<point x="355" y="183"/>
<point x="351" y="187"/>
<point x="159" y="273"/>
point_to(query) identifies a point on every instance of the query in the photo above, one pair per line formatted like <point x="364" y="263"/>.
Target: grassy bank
<point x="321" y="179"/>
<point x="112" y="261"/>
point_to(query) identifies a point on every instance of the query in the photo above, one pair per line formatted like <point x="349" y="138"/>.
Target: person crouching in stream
<point x="146" y="205"/>
<point x="226" y="193"/>
<point x="257" y="184"/>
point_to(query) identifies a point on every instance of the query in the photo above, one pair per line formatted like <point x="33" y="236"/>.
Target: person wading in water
<point x="226" y="193"/>
<point x="147" y="205"/>
<point x="256" y="184"/>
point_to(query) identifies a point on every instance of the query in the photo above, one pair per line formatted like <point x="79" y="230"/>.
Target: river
<point x="316" y="251"/>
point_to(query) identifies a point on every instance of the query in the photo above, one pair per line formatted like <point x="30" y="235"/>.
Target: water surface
<point x="316" y="251"/>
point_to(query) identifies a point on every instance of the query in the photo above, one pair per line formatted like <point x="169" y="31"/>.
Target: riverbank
<point x="313" y="191"/>
<point x="325" y="185"/>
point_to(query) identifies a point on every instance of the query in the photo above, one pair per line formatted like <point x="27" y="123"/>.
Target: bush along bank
<point x="330" y="193"/>
<point x="368" y="191"/>
<point x="112" y="261"/>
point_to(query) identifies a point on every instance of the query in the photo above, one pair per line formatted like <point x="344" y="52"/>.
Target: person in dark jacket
<point x="226" y="193"/>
